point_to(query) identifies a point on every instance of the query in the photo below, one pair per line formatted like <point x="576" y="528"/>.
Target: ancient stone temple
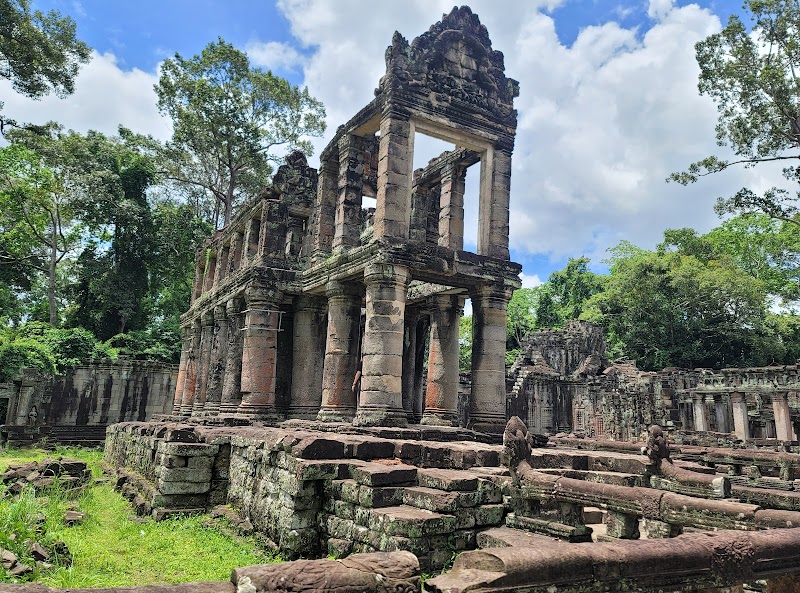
<point x="276" y="328"/>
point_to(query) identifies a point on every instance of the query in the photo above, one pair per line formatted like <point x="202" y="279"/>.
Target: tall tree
<point x="753" y="78"/>
<point x="565" y="293"/>
<point x="39" y="52"/>
<point x="37" y="219"/>
<point x="227" y="118"/>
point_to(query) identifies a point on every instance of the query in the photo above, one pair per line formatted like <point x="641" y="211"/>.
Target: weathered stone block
<point x="183" y="487"/>
<point x="449" y="480"/>
<point x="374" y="474"/>
<point x="490" y="514"/>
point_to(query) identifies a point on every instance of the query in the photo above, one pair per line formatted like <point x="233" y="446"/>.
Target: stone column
<point x="494" y="199"/>
<point x="451" y="208"/>
<point x="409" y="360"/>
<point x="260" y="353"/>
<point x="488" y="398"/>
<point x="325" y="212"/>
<point x="722" y="416"/>
<point x="222" y="265"/>
<point x="741" y="423"/>
<point x="341" y="351"/>
<point x="180" y="383"/>
<point x="232" y="379"/>
<point x="393" y="208"/>
<point x="206" y="344"/>
<point x="423" y="332"/>
<point x="308" y="357"/>
<point x="783" y="419"/>
<point x="211" y="268"/>
<point x="348" y="201"/>
<point x="235" y="253"/>
<point x="216" y="369"/>
<point x="197" y="285"/>
<point x="441" y="397"/>
<point x="381" y="401"/>
<point x="700" y="412"/>
<point x="192" y="364"/>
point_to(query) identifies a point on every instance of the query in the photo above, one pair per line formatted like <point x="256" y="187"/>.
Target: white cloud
<point x="274" y="55"/>
<point x="105" y="96"/>
<point x="658" y="9"/>
<point x="530" y="280"/>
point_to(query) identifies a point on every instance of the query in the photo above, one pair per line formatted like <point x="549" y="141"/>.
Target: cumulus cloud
<point x="105" y="96"/>
<point x="530" y="280"/>
<point x="274" y="55"/>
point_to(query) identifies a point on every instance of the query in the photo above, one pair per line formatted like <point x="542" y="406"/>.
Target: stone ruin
<point x="563" y="382"/>
<point x="266" y="420"/>
<point x="275" y="328"/>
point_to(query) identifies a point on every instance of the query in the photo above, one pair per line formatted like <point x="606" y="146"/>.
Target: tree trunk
<point x="51" y="276"/>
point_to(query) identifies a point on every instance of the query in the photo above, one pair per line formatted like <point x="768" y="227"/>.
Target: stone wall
<point x="78" y="406"/>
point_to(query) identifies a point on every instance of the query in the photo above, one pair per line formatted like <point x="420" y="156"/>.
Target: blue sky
<point x="608" y="104"/>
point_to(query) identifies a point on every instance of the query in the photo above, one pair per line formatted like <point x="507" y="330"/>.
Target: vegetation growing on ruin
<point x="111" y="547"/>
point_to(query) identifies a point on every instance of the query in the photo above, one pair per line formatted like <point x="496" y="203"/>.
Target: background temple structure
<point x="275" y="327"/>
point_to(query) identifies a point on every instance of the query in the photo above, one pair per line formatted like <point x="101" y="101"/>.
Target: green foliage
<point x="465" y="344"/>
<point x="751" y="75"/>
<point x="566" y="292"/>
<point x="46" y="348"/>
<point x="672" y="309"/>
<point x="227" y="118"/>
<point x="39" y="52"/>
<point x="521" y="316"/>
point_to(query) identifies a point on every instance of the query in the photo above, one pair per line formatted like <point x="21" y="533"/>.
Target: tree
<point x="36" y="219"/>
<point x="39" y="52"/>
<point x="753" y="78"/>
<point x="565" y="293"/>
<point x="672" y="309"/>
<point x="227" y="118"/>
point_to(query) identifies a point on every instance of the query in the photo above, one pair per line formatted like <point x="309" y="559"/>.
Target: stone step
<point x="508" y="537"/>
<point x="377" y="474"/>
<point x="447" y="479"/>
<point x="411" y="522"/>
<point x="438" y="500"/>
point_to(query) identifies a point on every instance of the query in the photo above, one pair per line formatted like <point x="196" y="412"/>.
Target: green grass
<point x="111" y="548"/>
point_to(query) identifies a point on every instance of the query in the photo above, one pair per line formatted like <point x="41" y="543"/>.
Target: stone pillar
<point x="783" y="419"/>
<point x="409" y="360"/>
<point x="721" y="414"/>
<point x="488" y="398"/>
<point x="250" y="242"/>
<point x="381" y="401"/>
<point x="192" y="364"/>
<point x="441" y="398"/>
<point x="260" y="353"/>
<point x="325" y="211"/>
<point x="741" y="423"/>
<point x="308" y="357"/>
<point x="206" y="344"/>
<point x="216" y="368"/>
<point x="222" y="265"/>
<point x="393" y="208"/>
<point x="700" y="412"/>
<point x="180" y="383"/>
<point x="211" y="268"/>
<point x="451" y="208"/>
<point x="494" y="199"/>
<point x="199" y="268"/>
<point x="348" y="201"/>
<point x="235" y="253"/>
<point x="232" y="379"/>
<point x="341" y="352"/>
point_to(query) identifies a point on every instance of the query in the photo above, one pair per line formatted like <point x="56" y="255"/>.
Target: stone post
<point x="494" y="199"/>
<point x="260" y="353"/>
<point x="700" y="412"/>
<point x="741" y="423"/>
<point x="235" y="253"/>
<point x="206" y="344"/>
<point x="250" y="242"/>
<point x="423" y="330"/>
<point x="211" y="268"/>
<point x="180" y="383"/>
<point x="451" y="208"/>
<point x="192" y="364"/>
<point x="308" y="357"/>
<point x="216" y="369"/>
<point x="348" y="202"/>
<point x="199" y="268"/>
<point x="222" y="265"/>
<point x="393" y="207"/>
<point x="325" y="211"/>
<point x="341" y="351"/>
<point x="488" y="398"/>
<point x="622" y="525"/>
<point x="409" y="360"/>
<point x="721" y="414"/>
<point x="232" y="379"/>
<point x="381" y="401"/>
<point x="783" y="419"/>
<point x="441" y="398"/>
